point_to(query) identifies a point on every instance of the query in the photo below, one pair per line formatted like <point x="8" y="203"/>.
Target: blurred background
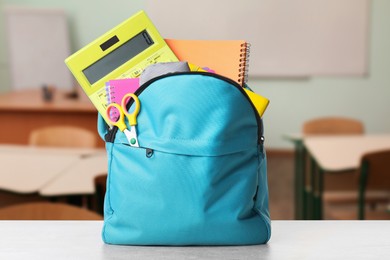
<point x="324" y="66"/>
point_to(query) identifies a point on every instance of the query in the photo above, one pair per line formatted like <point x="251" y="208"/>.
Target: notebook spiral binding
<point x="244" y="63"/>
<point x="110" y="94"/>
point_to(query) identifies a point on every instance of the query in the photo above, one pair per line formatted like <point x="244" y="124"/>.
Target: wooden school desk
<point x="24" y="111"/>
<point x="290" y="240"/>
<point x="26" y="170"/>
<point x="338" y="154"/>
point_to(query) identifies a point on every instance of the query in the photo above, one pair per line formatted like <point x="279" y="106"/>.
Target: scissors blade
<point x="132" y="136"/>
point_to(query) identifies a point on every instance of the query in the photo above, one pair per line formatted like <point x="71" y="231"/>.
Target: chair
<point x="374" y="175"/>
<point x="63" y="136"/>
<point x="100" y="191"/>
<point x="338" y="183"/>
<point x="332" y="126"/>
<point x="46" y="211"/>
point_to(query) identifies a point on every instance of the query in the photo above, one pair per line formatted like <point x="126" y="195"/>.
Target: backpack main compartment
<point x="199" y="177"/>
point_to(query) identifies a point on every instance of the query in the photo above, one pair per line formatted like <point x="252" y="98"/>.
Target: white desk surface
<point x="26" y="169"/>
<point x="77" y="179"/>
<point x="338" y="153"/>
<point x="290" y="240"/>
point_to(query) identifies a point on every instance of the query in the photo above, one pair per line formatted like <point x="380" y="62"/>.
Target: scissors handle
<point x="120" y="122"/>
<point x="131" y="116"/>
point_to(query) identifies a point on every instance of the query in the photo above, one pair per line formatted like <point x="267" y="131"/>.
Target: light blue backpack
<point x="200" y="174"/>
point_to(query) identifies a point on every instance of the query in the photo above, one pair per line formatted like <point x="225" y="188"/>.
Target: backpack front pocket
<point x="181" y="199"/>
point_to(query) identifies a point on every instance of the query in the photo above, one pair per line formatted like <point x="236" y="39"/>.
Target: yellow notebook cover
<point x="227" y="58"/>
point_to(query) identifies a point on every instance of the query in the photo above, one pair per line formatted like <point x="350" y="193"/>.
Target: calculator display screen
<point x="118" y="57"/>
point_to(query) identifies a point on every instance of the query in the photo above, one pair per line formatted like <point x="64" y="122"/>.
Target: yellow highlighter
<point x="260" y="102"/>
<point x="194" y="67"/>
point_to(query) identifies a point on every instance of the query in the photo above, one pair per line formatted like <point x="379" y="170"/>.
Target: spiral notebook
<point x="228" y="58"/>
<point x="117" y="88"/>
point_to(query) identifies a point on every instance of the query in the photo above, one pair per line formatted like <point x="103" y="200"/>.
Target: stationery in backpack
<point x="228" y="58"/>
<point x="122" y="52"/>
<point x="162" y="68"/>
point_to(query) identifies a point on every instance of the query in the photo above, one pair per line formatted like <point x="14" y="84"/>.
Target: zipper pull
<point x="110" y="136"/>
<point x="262" y="139"/>
<point x="149" y="152"/>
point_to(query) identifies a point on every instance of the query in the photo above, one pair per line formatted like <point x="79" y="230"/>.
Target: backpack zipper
<point x="110" y="136"/>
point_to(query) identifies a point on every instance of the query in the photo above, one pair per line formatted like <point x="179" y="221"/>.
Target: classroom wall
<point x="4" y="77"/>
<point x="292" y="100"/>
<point x="87" y="20"/>
<point x="364" y="98"/>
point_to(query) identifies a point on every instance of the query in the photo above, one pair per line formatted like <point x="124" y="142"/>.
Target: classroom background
<point x="293" y="101"/>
